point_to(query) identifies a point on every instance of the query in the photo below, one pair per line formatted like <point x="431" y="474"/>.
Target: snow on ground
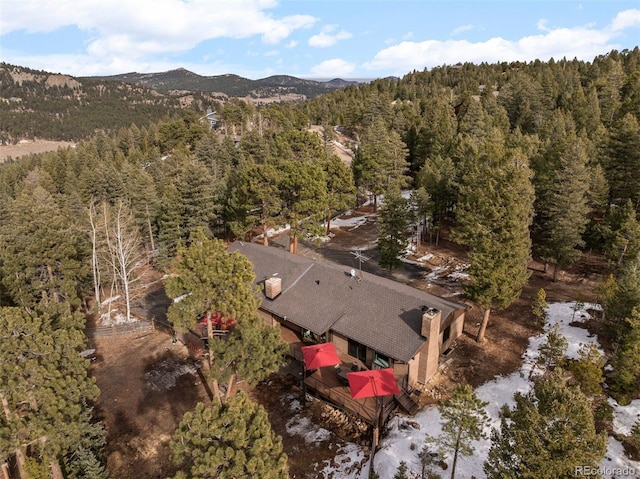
<point x="349" y="222"/>
<point x="406" y="436"/>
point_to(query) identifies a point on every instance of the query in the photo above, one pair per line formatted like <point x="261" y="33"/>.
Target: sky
<point x="320" y="39"/>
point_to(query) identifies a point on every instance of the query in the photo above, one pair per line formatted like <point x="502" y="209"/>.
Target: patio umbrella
<point x="320" y="355"/>
<point x="373" y="383"/>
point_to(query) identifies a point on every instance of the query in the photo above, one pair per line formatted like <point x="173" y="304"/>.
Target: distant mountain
<point x="277" y="86"/>
<point x="39" y="104"/>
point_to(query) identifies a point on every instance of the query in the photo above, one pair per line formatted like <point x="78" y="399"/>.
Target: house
<point x="376" y="321"/>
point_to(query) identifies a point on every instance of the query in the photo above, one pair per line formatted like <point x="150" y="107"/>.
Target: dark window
<point x="446" y="334"/>
<point x="357" y="350"/>
<point x="382" y="361"/>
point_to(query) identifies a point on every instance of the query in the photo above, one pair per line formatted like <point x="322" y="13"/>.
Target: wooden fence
<point x="119" y="329"/>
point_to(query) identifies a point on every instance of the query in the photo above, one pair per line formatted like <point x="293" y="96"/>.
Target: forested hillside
<point x="36" y="104"/>
<point x="516" y="159"/>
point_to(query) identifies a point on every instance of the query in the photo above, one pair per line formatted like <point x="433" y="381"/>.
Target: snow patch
<point x="303" y="427"/>
<point x="406" y="436"/>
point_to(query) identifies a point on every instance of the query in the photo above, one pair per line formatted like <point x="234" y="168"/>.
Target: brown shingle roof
<point x="380" y="313"/>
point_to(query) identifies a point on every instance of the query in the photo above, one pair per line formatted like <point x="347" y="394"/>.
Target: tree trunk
<point x="483" y="326"/>
<point x="375" y="203"/>
<point x="230" y="387"/>
<point x="56" y="472"/>
<point x="328" y="222"/>
<point x="216" y="391"/>
<point x="54" y="291"/>
<point x="455" y="455"/>
<point x="20" y="464"/>
<point x="555" y="272"/>
<point x="5" y="407"/>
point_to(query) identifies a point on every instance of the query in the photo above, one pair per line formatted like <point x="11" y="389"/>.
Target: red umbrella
<point x="320" y="355"/>
<point x="373" y="383"/>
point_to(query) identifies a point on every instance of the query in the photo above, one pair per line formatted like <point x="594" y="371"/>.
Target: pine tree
<point x="43" y="258"/>
<point x="539" y="307"/>
<point x="587" y="369"/>
<point x="547" y="435"/>
<point x="44" y="386"/>
<point x="380" y="160"/>
<point x="553" y="350"/>
<point x="622" y="160"/>
<point x="208" y="280"/>
<point x="341" y="191"/>
<point x="563" y="200"/>
<point x="627" y="361"/>
<point x="624" y="241"/>
<point x="463" y="420"/>
<point x="254" y="198"/>
<point x="228" y="441"/>
<point x="303" y="191"/>
<point x="252" y="351"/>
<point x="394" y="221"/>
<point x="493" y="215"/>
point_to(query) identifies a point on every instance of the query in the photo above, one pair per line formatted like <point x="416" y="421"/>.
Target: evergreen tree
<point x="562" y="207"/>
<point x="394" y="221"/>
<point x="493" y="215"/>
<point x="341" y="191"/>
<point x="622" y="160"/>
<point x="380" y="160"/>
<point x="252" y="350"/>
<point x="227" y="442"/>
<point x="254" y="198"/>
<point x="463" y="420"/>
<point x="587" y="369"/>
<point x="303" y="190"/>
<point x="624" y="236"/>
<point x="208" y="280"/>
<point x="549" y="433"/>
<point x="43" y="258"/>
<point x="627" y="361"/>
<point x="553" y="350"/>
<point x="44" y="386"/>
<point x="539" y="307"/>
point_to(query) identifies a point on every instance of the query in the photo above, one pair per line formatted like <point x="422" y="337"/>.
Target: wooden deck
<point x="326" y="384"/>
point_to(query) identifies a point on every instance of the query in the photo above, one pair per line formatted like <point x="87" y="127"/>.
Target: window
<point x="446" y="334"/>
<point x="357" y="350"/>
<point x="381" y="360"/>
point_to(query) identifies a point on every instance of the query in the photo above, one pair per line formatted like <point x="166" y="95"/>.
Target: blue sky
<point x="305" y="38"/>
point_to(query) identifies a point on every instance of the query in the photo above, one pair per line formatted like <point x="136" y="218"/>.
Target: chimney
<point x="431" y="318"/>
<point x="273" y="287"/>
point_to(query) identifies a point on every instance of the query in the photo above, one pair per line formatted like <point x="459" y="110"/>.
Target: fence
<point x="119" y="329"/>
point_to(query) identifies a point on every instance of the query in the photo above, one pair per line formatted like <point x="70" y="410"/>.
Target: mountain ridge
<point x="229" y="84"/>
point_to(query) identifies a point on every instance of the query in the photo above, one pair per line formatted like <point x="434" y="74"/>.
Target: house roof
<point x="380" y="313"/>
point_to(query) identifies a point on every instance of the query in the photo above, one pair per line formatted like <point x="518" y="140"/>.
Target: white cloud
<point x="626" y="19"/>
<point x="585" y="42"/>
<point x="292" y="44"/>
<point x="327" y="37"/>
<point x="135" y="29"/>
<point x="334" y="68"/>
<point x="462" y="29"/>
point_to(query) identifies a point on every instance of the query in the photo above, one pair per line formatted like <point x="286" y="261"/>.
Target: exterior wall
<point x="455" y="321"/>
<point x="341" y="343"/>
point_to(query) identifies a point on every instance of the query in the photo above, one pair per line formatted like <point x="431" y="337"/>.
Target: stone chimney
<point x="273" y="287"/>
<point x="430" y="330"/>
<point x="431" y="318"/>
